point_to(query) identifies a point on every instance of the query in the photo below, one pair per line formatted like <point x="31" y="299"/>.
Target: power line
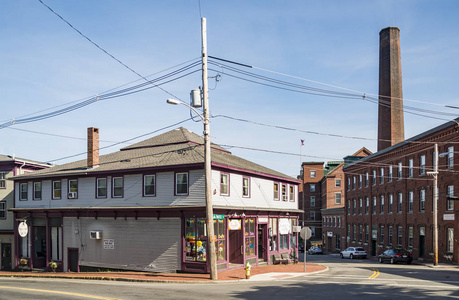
<point x="102" y="49"/>
<point x="122" y="142"/>
<point x="330" y="85"/>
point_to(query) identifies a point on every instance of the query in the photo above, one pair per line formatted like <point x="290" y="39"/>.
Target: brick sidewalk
<point x="170" y="277"/>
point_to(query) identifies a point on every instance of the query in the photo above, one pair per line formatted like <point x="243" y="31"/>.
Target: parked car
<point x="300" y="248"/>
<point x="315" y="250"/>
<point x="354" y="252"/>
<point x="395" y="256"/>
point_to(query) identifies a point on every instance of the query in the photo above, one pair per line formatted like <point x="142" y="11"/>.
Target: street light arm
<point x="176" y="102"/>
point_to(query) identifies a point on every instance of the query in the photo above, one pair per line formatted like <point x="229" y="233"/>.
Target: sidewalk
<point x="269" y="272"/>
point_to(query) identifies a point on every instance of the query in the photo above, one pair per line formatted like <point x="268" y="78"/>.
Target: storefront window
<point x="249" y="236"/>
<point x="195" y="239"/>
<point x="220" y="232"/>
<point x="293" y="234"/>
<point x="273" y="234"/>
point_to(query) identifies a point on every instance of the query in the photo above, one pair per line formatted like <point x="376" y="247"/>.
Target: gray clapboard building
<point x="143" y="208"/>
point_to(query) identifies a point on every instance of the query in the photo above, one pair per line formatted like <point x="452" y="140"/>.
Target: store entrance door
<point x="6" y="257"/>
<point x="39" y="246"/>
<point x="236" y="247"/>
<point x="262" y="242"/>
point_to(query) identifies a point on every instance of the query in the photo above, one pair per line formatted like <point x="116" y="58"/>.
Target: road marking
<point x="57" y="292"/>
<point x="375" y="272"/>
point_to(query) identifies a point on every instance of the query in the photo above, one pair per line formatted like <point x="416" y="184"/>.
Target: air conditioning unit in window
<point x="72" y="195"/>
<point x="95" y="234"/>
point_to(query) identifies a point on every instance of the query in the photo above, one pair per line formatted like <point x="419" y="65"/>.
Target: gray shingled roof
<point x="9" y="158"/>
<point x="178" y="147"/>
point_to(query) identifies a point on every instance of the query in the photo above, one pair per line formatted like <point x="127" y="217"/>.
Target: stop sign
<point x="305" y="233"/>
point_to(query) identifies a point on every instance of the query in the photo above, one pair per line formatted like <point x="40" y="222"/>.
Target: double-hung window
<point x="57" y="190"/>
<point x="312" y="188"/>
<point x="2" y="210"/>
<point x="245" y="187"/>
<point x="381" y="205"/>
<point x="422" y="200"/>
<point x="354" y="208"/>
<point x="400" y="171"/>
<point x="373" y="208"/>
<point x="360" y="205"/>
<point x="276" y="191"/>
<point x="73" y="189"/>
<point x="337" y="182"/>
<point x="381" y="176"/>
<point x="367" y="205"/>
<point x="291" y="189"/>
<point x="181" y="184"/>
<point x="450" y="162"/>
<point x="224" y="184"/>
<point x="2" y="180"/>
<point x="149" y="185"/>
<point x="360" y="181"/>
<point x="410" y="167"/>
<point x="374" y="177"/>
<point x="389" y="175"/>
<point x="313" y="174"/>
<point x="23" y="189"/>
<point x="399" y="202"/>
<point x="312" y="201"/>
<point x="367" y="179"/>
<point x="422" y="165"/>
<point x="118" y="189"/>
<point x="337" y="198"/>
<point x="101" y="189"/>
<point x="410" y="236"/>
<point x="410" y="201"/>
<point x="390" y="235"/>
<point x="37" y="191"/>
<point x="450" y="203"/>
<point x="399" y="235"/>
<point x="381" y="234"/>
<point x="391" y="203"/>
<point x="284" y="192"/>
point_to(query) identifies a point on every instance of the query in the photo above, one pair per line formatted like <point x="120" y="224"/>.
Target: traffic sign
<point x="306" y="233"/>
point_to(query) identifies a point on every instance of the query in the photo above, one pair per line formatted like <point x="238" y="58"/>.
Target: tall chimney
<point x="390" y="115"/>
<point x="93" y="147"/>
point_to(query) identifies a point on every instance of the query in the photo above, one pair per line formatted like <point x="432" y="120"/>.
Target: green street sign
<point x="219" y="217"/>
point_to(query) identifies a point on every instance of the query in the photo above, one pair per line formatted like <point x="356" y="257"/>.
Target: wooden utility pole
<point x="207" y="158"/>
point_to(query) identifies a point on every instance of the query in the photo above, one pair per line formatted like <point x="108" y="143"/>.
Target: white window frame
<point x="54" y="197"/>
<point x="98" y="187"/>
<point x="186" y="184"/>
<point x="37" y="190"/>
<point x="422" y="165"/>
<point x="291" y="192"/>
<point x="410" y="201"/>
<point x="410" y="167"/>
<point x="150" y="185"/>
<point x="337" y="182"/>
<point x="337" y="198"/>
<point x="400" y="171"/>
<point x="71" y="189"/>
<point x="116" y="187"/>
<point x="23" y="191"/>
<point x="390" y="174"/>
<point x="313" y="174"/>
<point x="224" y="186"/>
<point x="2" y="180"/>
<point x="276" y="191"/>
<point x="422" y="200"/>
<point x="450" y="203"/>
<point x="450" y="158"/>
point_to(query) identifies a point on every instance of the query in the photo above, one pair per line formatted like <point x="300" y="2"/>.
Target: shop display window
<point x="195" y="239"/>
<point x="249" y="236"/>
<point x="273" y="234"/>
<point x="220" y="232"/>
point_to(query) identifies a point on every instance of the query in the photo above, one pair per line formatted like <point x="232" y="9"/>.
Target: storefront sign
<point x="234" y="224"/>
<point x="109" y="244"/>
<point x="219" y="217"/>
<point x="284" y="226"/>
<point x="262" y="220"/>
<point x="23" y="229"/>
<point x="374" y="234"/>
<point x="448" y="217"/>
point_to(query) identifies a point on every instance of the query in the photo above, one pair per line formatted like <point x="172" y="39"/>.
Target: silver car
<point x="354" y="252"/>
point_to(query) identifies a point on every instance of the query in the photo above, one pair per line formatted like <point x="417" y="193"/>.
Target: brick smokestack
<point x="390" y="115"/>
<point x="93" y="147"/>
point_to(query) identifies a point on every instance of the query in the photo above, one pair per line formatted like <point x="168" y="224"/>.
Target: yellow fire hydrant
<point x="247" y="270"/>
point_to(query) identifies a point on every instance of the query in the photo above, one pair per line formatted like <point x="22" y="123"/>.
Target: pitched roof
<point x="13" y="159"/>
<point x="175" y="148"/>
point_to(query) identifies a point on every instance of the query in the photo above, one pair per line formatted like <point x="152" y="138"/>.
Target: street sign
<point x="306" y="233"/>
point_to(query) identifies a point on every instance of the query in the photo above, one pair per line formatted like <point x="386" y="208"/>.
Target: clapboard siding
<point x="261" y="193"/>
<point x="156" y="243"/>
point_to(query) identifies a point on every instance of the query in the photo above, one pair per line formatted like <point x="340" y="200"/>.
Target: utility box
<point x="195" y="97"/>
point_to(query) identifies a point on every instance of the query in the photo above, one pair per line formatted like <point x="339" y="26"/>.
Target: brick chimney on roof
<point x="93" y="147"/>
<point x="390" y="114"/>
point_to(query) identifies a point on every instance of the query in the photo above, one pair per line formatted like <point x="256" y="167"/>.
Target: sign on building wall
<point x="284" y="226"/>
<point x="234" y="224"/>
<point x="23" y="230"/>
<point x="109" y="244"/>
<point x="448" y="217"/>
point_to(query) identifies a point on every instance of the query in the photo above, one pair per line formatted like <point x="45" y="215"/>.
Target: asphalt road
<point x="346" y="279"/>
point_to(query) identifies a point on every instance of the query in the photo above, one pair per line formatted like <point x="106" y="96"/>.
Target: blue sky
<point x="45" y="64"/>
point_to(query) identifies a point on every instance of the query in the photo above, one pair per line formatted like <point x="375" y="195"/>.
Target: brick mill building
<point x="389" y="194"/>
<point x="332" y="197"/>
